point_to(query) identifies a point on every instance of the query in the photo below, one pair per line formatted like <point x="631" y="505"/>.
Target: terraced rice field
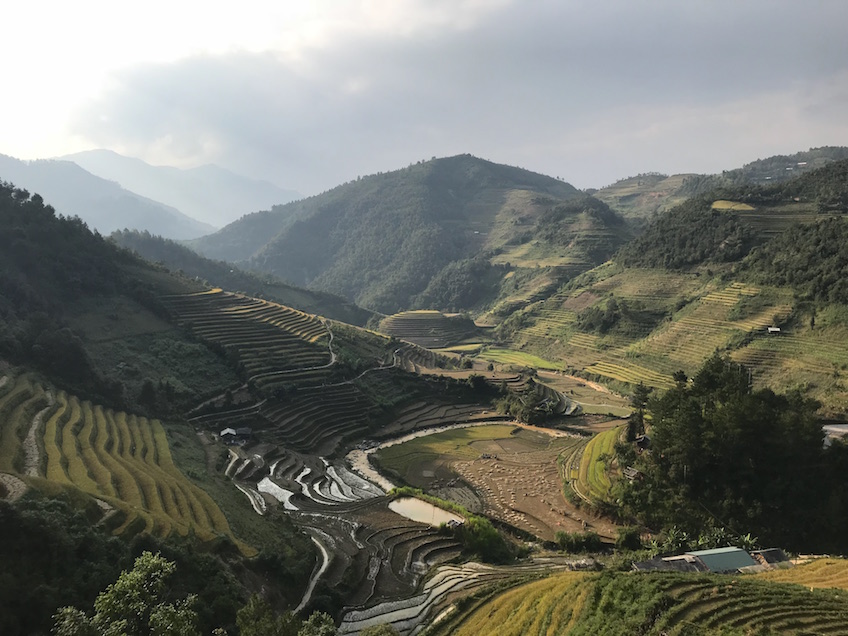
<point x="430" y="329"/>
<point x="769" y="222"/>
<point x="447" y="584"/>
<point x="631" y="374"/>
<point x="671" y="604"/>
<point x="550" y="606"/>
<point x="592" y="480"/>
<point x="518" y="358"/>
<point x="747" y="605"/>
<point x="735" y="206"/>
<point x="274" y="344"/>
<point x="317" y="419"/>
<point x="121" y="459"/>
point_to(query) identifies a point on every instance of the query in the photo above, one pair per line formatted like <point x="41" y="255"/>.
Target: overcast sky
<point x="309" y="94"/>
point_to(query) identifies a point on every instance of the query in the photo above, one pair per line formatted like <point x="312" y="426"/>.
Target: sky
<point x="310" y="94"/>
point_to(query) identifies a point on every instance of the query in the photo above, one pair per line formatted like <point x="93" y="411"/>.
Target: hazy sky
<point x="309" y="94"/>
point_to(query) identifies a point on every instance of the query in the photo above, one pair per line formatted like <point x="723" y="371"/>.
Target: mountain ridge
<point x="209" y="192"/>
<point x="101" y="203"/>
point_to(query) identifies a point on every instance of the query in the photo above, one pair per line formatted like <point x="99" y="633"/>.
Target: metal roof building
<point x="724" y="559"/>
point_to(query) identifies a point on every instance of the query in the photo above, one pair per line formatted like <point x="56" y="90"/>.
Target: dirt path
<point x="316" y="575"/>
<point x="32" y="455"/>
<point x="3" y="381"/>
<point x="15" y="488"/>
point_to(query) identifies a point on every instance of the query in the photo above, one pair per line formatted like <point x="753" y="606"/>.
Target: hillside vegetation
<point x="416" y="237"/>
<point x="227" y="276"/>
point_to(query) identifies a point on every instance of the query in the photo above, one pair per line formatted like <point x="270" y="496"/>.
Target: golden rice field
<point x="121" y="459"/>
<point x="735" y="206"/>
<point x="550" y="606"/>
<point x="631" y="374"/>
<point x="672" y="604"/>
<point x="821" y="573"/>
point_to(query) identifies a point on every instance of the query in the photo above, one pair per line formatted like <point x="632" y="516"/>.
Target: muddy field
<point x="508" y="472"/>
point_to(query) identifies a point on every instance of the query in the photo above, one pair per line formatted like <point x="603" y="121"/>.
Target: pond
<point x="422" y="511"/>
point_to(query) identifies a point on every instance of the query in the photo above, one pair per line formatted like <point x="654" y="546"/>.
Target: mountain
<point x="641" y="197"/>
<point x="399" y="240"/>
<point x="211" y="193"/>
<point x="753" y="271"/>
<point x="103" y="205"/>
<point x="178" y="257"/>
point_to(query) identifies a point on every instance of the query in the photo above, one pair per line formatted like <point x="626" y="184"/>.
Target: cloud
<point x="571" y="89"/>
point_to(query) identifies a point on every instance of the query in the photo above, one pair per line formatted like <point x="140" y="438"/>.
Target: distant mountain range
<point x="104" y="205"/>
<point x="209" y="193"/>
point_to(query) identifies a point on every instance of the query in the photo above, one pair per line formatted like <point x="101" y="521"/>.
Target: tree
<point x="318" y="624"/>
<point x="133" y="606"/>
<point x="721" y="454"/>
<point x="379" y="630"/>
<point x="257" y="618"/>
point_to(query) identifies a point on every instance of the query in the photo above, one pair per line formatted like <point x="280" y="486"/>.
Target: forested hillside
<point x="723" y="225"/>
<point x="407" y="238"/>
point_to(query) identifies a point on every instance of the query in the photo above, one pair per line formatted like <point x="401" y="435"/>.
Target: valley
<point x="571" y="396"/>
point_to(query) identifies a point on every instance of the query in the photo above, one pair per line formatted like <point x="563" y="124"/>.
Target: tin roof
<point x="724" y="559"/>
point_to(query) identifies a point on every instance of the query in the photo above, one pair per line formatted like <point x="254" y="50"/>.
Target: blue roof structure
<point x="724" y="559"/>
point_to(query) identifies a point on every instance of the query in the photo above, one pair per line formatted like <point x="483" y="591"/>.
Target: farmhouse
<point x="235" y="435"/>
<point x="719" y="560"/>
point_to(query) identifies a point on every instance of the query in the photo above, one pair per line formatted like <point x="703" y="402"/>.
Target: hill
<point x="712" y="274"/>
<point x="641" y="197"/>
<point x="213" y="194"/>
<point x="103" y="205"/>
<point x="218" y="273"/>
<point x="383" y="240"/>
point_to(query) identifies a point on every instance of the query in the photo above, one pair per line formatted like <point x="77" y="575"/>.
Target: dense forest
<point x="693" y="233"/>
<point x="690" y="234"/>
<point x="724" y="455"/>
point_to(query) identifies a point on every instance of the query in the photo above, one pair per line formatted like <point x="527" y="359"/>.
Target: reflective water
<point x="422" y="511"/>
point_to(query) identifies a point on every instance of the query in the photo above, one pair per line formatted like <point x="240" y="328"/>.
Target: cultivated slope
<point x="690" y="285"/>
